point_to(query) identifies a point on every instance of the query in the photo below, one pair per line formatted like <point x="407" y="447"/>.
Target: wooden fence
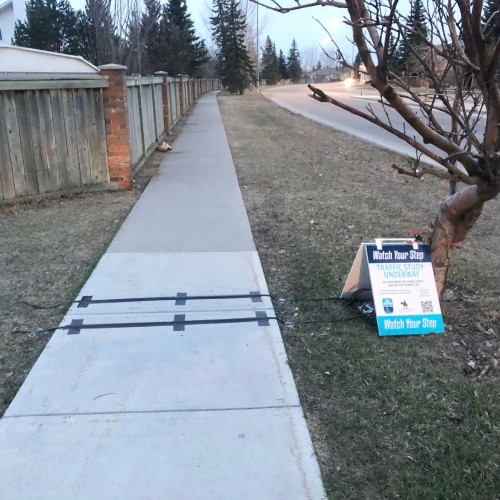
<point x="174" y="100"/>
<point x="145" y="115"/>
<point x="52" y="134"/>
<point x="67" y="132"/>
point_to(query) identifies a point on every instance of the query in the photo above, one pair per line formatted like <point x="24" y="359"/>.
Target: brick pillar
<point x="117" y="127"/>
<point x="181" y="94"/>
<point x="164" y="98"/>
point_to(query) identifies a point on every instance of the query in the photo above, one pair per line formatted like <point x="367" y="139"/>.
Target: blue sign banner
<point x="397" y="254"/>
<point x="410" y="325"/>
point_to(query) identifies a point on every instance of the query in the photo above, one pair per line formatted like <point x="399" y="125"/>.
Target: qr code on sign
<point x="427" y="306"/>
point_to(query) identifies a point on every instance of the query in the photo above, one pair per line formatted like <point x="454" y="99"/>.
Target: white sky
<point x="282" y="28"/>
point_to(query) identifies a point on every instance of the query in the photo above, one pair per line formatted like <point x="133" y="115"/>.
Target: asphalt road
<point x="296" y="98"/>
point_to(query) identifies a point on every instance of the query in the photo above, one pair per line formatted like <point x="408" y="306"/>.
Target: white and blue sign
<point x="404" y="289"/>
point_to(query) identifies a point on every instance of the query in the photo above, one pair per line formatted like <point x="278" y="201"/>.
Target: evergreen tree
<point x="233" y="61"/>
<point x="269" y="63"/>
<point x="97" y="33"/>
<point x="319" y="66"/>
<point x="357" y="63"/>
<point x="396" y="61"/>
<point x="414" y="37"/>
<point x="293" y="63"/>
<point x="418" y="23"/>
<point x="493" y="28"/>
<point x="185" y="52"/>
<point x="152" y="35"/>
<point x="283" y="70"/>
<point x="50" y="25"/>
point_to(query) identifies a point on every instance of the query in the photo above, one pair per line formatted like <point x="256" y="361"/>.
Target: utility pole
<point x="258" y="68"/>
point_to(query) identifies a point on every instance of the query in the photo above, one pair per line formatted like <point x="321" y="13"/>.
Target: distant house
<point x="10" y="12"/>
<point x="325" y="75"/>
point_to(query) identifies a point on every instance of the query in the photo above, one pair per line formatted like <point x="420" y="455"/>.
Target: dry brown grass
<point x="410" y="417"/>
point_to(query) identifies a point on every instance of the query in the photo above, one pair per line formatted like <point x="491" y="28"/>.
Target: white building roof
<point x="23" y="60"/>
<point x="4" y="5"/>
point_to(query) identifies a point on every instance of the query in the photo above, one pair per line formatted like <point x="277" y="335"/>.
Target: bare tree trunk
<point x="456" y="217"/>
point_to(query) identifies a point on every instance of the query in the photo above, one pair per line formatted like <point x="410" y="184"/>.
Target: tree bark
<point x="456" y="217"/>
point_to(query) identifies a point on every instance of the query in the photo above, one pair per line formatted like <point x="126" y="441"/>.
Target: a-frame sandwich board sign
<point x="401" y="279"/>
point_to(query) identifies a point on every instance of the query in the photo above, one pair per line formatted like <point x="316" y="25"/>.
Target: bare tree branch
<point x="418" y="174"/>
<point x="319" y="95"/>
<point x="284" y="10"/>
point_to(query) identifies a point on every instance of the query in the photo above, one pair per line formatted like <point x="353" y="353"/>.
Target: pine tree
<point x="493" y="28"/>
<point x="233" y="61"/>
<point x="283" y="70"/>
<point x="185" y="51"/>
<point x="396" y="63"/>
<point x="293" y="63"/>
<point x="491" y="25"/>
<point x="50" y="25"/>
<point x="418" y="23"/>
<point x="270" y="71"/>
<point x="97" y="33"/>
<point x="357" y="63"/>
<point x="414" y="38"/>
<point x="152" y="34"/>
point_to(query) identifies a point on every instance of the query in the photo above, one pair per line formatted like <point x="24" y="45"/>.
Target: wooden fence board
<point x="51" y="84"/>
<point x="60" y="138"/>
<point x="8" y="190"/>
<point x="151" y="117"/>
<point x="134" y="117"/>
<point x="138" y="125"/>
<point x="16" y="152"/>
<point x="93" y="140"/>
<point x="42" y="171"/>
<point x="26" y="143"/>
<point x="146" y="110"/>
<point x="171" y="104"/>
<point x="81" y="137"/>
<point x="49" y="139"/>
<point x="101" y="134"/>
<point x="73" y="161"/>
<point x="178" y="100"/>
<point x="143" y="111"/>
<point x="160" y="124"/>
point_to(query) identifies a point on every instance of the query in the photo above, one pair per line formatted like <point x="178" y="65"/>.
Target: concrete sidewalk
<point x="201" y="411"/>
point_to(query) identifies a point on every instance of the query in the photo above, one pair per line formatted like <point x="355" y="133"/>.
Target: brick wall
<point x="116" y="122"/>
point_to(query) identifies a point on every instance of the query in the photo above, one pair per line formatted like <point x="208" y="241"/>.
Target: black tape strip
<point x="179" y="320"/>
<point x="252" y="295"/>
<point x="181" y="301"/>
<point x="85" y="301"/>
<point x="262" y="319"/>
<point x="179" y="323"/>
<point x="75" y="327"/>
<point x="256" y="296"/>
